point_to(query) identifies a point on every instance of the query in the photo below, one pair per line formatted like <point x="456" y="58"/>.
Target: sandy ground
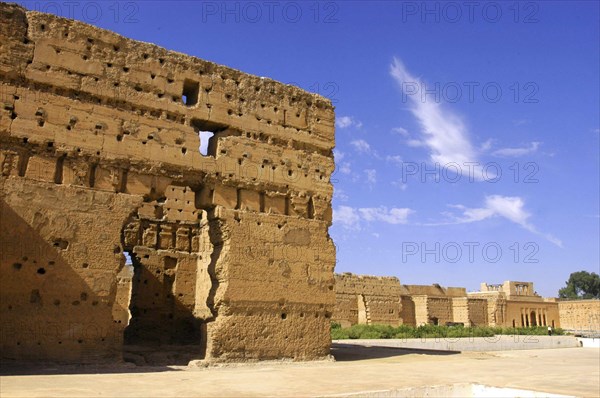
<point x="569" y="371"/>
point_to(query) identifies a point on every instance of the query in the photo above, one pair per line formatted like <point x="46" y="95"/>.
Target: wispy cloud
<point x="340" y="194"/>
<point x="396" y="159"/>
<point x="401" y="131"/>
<point x="344" y="122"/>
<point x="371" y="175"/>
<point x="350" y="218"/>
<point x="511" y="208"/>
<point x="516" y="152"/>
<point x="487" y="145"/>
<point x="347" y="217"/>
<point x="400" y="184"/>
<point x="392" y="216"/>
<point x="443" y="131"/>
<point x="361" y="146"/>
<point x="345" y="168"/>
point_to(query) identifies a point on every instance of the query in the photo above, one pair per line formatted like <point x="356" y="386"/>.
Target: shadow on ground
<point x="13" y="368"/>
<point x="354" y="352"/>
<point x="136" y="359"/>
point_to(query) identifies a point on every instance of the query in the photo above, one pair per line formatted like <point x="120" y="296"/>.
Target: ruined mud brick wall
<point x="408" y="310"/>
<point x="99" y="155"/>
<point x="496" y="307"/>
<point x="580" y="314"/>
<point x="367" y="299"/>
<point x="469" y="311"/>
<point x="432" y="304"/>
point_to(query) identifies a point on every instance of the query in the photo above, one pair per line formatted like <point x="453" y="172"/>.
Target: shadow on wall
<point x="54" y="306"/>
<point x="158" y="317"/>
<point x="61" y="300"/>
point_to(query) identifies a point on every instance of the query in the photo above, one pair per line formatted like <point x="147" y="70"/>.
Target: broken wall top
<point x="434" y="290"/>
<point x="142" y="104"/>
<point x="348" y="283"/>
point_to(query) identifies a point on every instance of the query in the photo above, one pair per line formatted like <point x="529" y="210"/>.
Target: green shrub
<point x="430" y="331"/>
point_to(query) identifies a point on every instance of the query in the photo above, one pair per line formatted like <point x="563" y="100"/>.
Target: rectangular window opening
<point x="190" y="92"/>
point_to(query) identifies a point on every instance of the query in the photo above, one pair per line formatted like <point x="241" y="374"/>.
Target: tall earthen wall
<point x="99" y="155"/>
<point x="580" y="315"/>
<point x="367" y="299"/>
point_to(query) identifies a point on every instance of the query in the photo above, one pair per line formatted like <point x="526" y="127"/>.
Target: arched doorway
<point x="533" y="319"/>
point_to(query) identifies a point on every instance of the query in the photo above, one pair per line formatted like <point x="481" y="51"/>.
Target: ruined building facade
<point x="99" y="156"/>
<point x="365" y="299"/>
<point x="516" y="304"/>
<point x="580" y="315"/>
<point x="437" y="305"/>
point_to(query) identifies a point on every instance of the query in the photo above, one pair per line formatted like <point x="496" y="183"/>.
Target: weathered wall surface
<point x="478" y="312"/>
<point x="367" y="299"/>
<point x="99" y="139"/>
<point x="434" y="304"/>
<point x="519" y="310"/>
<point x="470" y="311"/>
<point x="580" y="314"/>
<point x="408" y="312"/>
<point x="526" y="313"/>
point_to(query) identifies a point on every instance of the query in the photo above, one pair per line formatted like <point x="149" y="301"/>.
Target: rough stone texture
<point x="469" y="311"/>
<point x="434" y="304"/>
<point x="99" y="155"/>
<point x="364" y="299"/>
<point x="581" y="315"/>
<point x="516" y="304"/>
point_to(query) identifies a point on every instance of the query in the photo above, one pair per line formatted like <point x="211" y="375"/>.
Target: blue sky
<point x="467" y="140"/>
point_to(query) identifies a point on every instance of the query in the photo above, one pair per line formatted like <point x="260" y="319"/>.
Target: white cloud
<point x="340" y="194"/>
<point x="350" y="218"/>
<point x="338" y="155"/>
<point x="401" y="131"/>
<point x="400" y="185"/>
<point x="347" y="217"/>
<point x="392" y="216"/>
<point x="415" y="143"/>
<point x="361" y="146"/>
<point x="344" y="122"/>
<point x="487" y="145"/>
<point x="443" y="131"/>
<point x="397" y="159"/>
<point x="511" y="208"/>
<point x="515" y="152"/>
<point x="345" y="168"/>
<point x="371" y="176"/>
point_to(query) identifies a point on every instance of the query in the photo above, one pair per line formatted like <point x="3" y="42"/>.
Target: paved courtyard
<point x="569" y="371"/>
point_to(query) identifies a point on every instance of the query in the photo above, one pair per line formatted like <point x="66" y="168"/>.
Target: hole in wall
<point x="61" y="244"/>
<point x="190" y="92"/>
<point x="205" y="137"/>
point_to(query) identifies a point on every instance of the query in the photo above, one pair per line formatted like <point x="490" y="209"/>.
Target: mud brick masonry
<point x="99" y="156"/>
<point x="365" y="299"/>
